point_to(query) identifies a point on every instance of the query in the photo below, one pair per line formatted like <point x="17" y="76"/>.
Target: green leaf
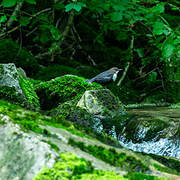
<point x="24" y="21"/>
<point x="81" y="4"/>
<point x="31" y="1"/>
<point x="55" y="33"/>
<point x="140" y="52"/>
<point x="59" y="6"/>
<point x="158" y="28"/>
<point x="158" y="9"/>
<point x="69" y="7"/>
<point x="153" y="77"/>
<point x="168" y="50"/>
<point x="8" y="3"/>
<point x="116" y="16"/>
<point x="119" y="7"/>
<point x="76" y="6"/>
<point x="3" y="19"/>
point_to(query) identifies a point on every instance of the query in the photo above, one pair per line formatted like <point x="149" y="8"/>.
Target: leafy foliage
<point x="100" y="32"/>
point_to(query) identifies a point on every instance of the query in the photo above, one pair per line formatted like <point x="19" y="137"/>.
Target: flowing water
<point x="153" y="130"/>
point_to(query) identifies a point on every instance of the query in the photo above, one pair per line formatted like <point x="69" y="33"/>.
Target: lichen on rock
<point x="16" y="88"/>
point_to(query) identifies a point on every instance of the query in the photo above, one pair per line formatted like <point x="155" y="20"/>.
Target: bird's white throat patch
<point x="115" y="75"/>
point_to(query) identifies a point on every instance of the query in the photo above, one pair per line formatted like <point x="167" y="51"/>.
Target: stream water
<point x="153" y="130"/>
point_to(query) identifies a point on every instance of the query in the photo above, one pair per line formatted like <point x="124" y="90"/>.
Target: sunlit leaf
<point x="159" y="8"/>
<point x="8" y="3"/>
<point x="153" y="76"/>
<point x="168" y="50"/>
<point x="55" y="33"/>
<point x="3" y="19"/>
<point x="158" y="28"/>
<point x="76" y="6"/>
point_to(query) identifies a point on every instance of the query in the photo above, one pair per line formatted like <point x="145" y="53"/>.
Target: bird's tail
<point x="89" y="81"/>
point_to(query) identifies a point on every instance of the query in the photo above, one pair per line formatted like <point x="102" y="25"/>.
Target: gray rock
<point x="16" y="88"/>
<point x="9" y="77"/>
<point x="22" y="155"/>
<point x="105" y="109"/>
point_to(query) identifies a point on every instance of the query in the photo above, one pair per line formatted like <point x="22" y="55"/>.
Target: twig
<point x="17" y="27"/>
<point x="14" y="14"/>
<point x="29" y="33"/>
<point x="10" y="31"/>
<point x="145" y="74"/>
<point x="80" y="47"/>
<point x="68" y="26"/>
<point x="129" y="63"/>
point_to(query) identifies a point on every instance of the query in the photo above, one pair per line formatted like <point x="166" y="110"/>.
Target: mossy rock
<point x="11" y="52"/>
<point x="62" y="89"/>
<point x="17" y="88"/>
<point x="71" y="167"/>
<point x="50" y="72"/>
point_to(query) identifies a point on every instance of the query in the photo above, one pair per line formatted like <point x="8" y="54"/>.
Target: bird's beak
<point x="120" y="70"/>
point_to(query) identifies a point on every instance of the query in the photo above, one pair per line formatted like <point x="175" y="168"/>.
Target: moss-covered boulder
<point x="72" y="167"/>
<point x="11" y="52"/>
<point x="88" y="104"/>
<point x="105" y="108"/>
<point x="101" y="102"/>
<point x="16" y="88"/>
<point x="22" y="154"/>
<point x="62" y="89"/>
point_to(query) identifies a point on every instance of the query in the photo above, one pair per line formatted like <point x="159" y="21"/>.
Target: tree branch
<point x="129" y="63"/>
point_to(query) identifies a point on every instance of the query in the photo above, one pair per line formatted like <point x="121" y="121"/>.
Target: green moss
<point x="72" y="167"/>
<point x="62" y="89"/>
<point x="10" y="94"/>
<point x="26" y="119"/>
<point x="50" y="72"/>
<point x="141" y="176"/>
<point x="53" y="146"/>
<point x="175" y="106"/>
<point x="17" y="55"/>
<point x="171" y="165"/>
<point x="20" y="90"/>
<point x="112" y="157"/>
<point x="30" y="94"/>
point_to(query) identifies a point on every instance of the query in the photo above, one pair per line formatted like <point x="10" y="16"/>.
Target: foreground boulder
<point x="60" y="151"/>
<point x="16" y="88"/>
<point x="103" y="108"/>
<point x="87" y="104"/>
<point x="22" y="155"/>
<point x="101" y="103"/>
<point x="62" y="89"/>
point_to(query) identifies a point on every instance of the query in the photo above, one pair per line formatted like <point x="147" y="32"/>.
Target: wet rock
<point x="153" y="131"/>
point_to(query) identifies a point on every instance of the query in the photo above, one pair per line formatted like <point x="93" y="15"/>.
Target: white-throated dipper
<point x="106" y="76"/>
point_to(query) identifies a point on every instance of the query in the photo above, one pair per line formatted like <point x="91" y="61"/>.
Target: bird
<point x="106" y="76"/>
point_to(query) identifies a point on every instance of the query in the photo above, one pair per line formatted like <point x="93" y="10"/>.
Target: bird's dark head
<point x="114" y="70"/>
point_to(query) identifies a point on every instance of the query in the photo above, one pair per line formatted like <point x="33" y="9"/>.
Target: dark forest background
<point x="50" y="38"/>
